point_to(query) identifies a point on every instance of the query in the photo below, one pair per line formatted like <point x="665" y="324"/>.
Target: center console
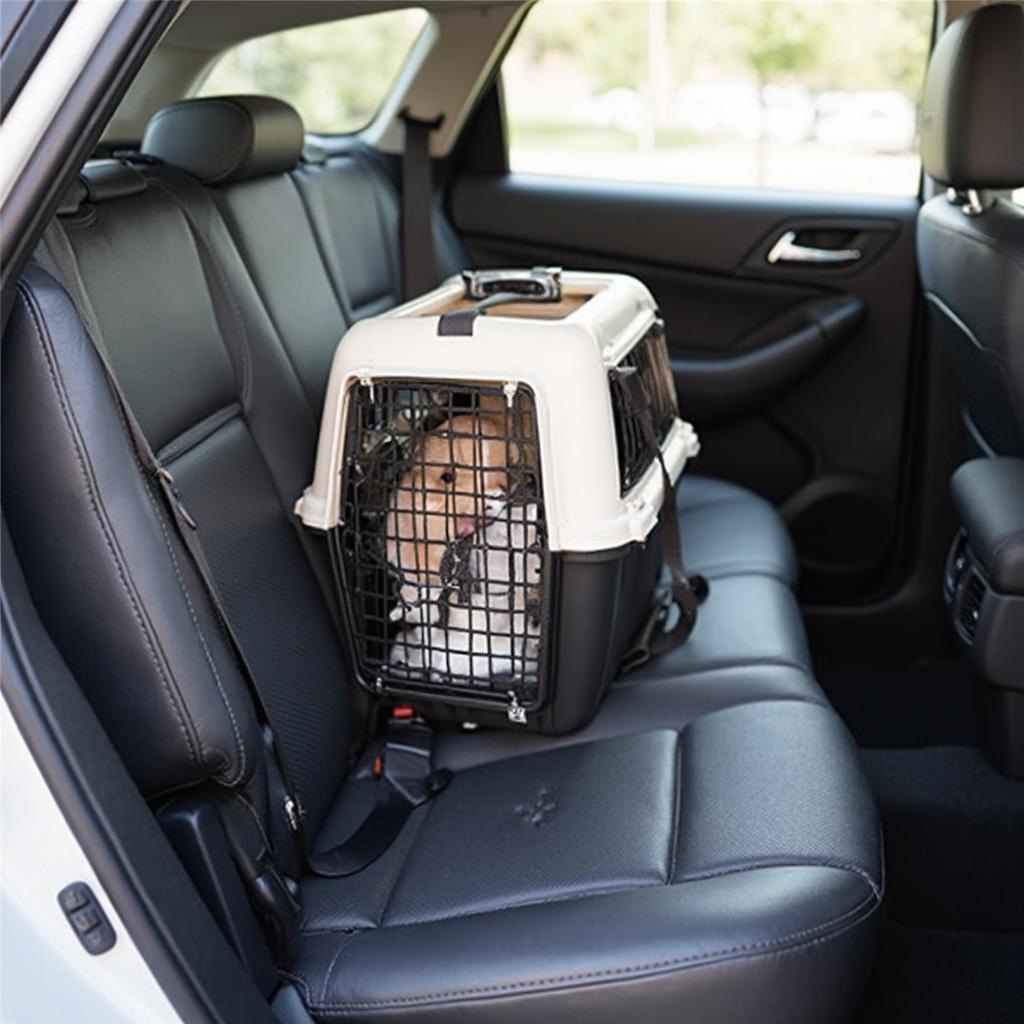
<point x="984" y="591"/>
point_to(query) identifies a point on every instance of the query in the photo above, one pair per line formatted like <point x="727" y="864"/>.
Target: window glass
<point x="336" y="75"/>
<point x="773" y="93"/>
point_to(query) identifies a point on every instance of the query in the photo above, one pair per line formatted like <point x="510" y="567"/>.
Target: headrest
<point x="226" y="138"/>
<point x="972" y="112"/>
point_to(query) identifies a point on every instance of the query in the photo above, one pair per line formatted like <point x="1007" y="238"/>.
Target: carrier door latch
<point x="515" y="711"/>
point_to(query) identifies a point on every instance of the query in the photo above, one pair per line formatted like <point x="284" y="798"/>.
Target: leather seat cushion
<point x="728" y="530"/>
<point x="628" y="875"/>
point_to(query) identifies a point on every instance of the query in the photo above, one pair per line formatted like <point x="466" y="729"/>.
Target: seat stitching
<point x="198" y="235"/>
<point x="673" y="838"/>
<point x="613" y="891"/>
<point x="544" y="901"/>
<point x="240" y="774"/>
<point x="338" y="287"/>
<point x="393" y="251"/>
<point x="254" y="814"/>
<point x="719" y="666"/>
<point x="95" y="503"/>
<point x="816" y="862"/>
<point x="334" y="960"/>
<point x="401" y="867"/>
<point x="192" y="437"/>
<point x="795" y="940"/>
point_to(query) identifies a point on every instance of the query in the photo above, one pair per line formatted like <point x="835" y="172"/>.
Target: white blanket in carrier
<point x="483" y="622"/>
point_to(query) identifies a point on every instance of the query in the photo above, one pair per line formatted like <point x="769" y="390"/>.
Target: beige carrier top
<point x="562" y="351"/>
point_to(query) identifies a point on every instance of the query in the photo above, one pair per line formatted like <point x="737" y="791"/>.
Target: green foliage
<point x="776" y="40"/>
<point x="844" y="44"/>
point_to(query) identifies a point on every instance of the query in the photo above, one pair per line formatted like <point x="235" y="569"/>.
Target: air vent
<point x="956" y="563"/>
<point x="971" y="598"/>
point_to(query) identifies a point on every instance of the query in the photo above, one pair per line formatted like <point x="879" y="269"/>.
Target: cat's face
<point x="458" y="482"/>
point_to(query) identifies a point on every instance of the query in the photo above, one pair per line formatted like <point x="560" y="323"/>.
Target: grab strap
<point x="419" y="270"/>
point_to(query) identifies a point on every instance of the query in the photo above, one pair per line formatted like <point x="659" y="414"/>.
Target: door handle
<point x="788" y="250"/>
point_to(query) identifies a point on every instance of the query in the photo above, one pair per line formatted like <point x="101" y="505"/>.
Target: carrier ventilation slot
<point x="970" y="606"/>
<point x="650" y="360"/>
<point x="442" y="553"/>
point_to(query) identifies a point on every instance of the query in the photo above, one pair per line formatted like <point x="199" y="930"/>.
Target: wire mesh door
<point x="442" y="552"/>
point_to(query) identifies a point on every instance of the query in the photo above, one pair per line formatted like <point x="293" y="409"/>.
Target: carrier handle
<point x="497" y="288"/>
<point x="541" y="284"/>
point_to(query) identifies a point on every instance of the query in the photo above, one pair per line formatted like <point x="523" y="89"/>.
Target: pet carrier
<point x="490" y="474"/>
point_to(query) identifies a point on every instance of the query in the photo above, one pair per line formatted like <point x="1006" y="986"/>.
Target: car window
<point x="787" y="94"/>
<point x="336" y="75"/>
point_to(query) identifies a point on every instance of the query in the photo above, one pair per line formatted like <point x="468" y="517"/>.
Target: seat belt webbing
<point x="57" y="256"/>
<point x="419" y="268"/>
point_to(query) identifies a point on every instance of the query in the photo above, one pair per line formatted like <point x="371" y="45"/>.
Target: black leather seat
<point x="707" y="851"/>
<point x="970" y="243"/>
<point x="341" y="262"/>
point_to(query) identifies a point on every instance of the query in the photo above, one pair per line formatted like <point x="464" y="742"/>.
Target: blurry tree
<point x="334" y="74"/>
<point x="777" y="41"/>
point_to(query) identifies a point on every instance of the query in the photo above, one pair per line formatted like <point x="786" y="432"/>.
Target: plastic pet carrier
<point x="490" y="475"/>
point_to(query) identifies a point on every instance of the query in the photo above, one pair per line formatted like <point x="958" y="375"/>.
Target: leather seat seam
<point x="192" y="437"/>
<point x="673" y="838"/>
<point x="722" y="666"/>
<point x="727" y="573"/>
<point x="803" y="938"/>
<point x="236" y="731"/>
<point x="809" y="862"/>
<point x="199" y="238"/>
<point x="157" y="656"/>
<point x="582" y="894"/>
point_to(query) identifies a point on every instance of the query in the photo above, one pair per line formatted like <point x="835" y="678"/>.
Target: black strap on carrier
<point x="419" y="269"/>
<point x="406" y="779"/>
<point x="684" y="592"/>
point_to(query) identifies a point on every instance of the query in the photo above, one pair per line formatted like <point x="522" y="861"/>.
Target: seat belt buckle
<point x="406" y="762"/>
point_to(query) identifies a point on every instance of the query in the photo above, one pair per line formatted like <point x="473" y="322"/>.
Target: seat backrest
<point x="199" y="361"/>
<point x="319" y="232"/>
<point x="970" y="242"/>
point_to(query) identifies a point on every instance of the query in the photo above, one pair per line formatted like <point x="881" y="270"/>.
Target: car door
<point x="782" y="257"/>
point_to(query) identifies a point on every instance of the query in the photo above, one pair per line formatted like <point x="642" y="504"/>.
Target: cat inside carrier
<point x="494" y="460"/>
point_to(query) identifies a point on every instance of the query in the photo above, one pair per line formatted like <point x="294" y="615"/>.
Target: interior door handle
<point x="788" y="250"/>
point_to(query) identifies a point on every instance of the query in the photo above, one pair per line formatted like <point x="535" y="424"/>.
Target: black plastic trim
<point x="139" y="873"/>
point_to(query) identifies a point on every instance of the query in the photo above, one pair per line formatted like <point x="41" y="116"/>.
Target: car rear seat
<point x="708" y="850"/>
<point x="354" y="212"/>
<point x="321" y="242"/>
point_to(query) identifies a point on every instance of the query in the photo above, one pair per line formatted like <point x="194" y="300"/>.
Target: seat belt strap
<point x="57" y="256"/>
<point x="407" y="780"/>
<point x="684" y="592"/>
<point x="419" y="268"/>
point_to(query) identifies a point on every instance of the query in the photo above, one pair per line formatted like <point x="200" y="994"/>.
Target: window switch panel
<point x="86" y="917"/>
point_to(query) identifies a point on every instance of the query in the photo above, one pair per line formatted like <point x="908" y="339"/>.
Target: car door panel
<point x="795" y="374"/>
